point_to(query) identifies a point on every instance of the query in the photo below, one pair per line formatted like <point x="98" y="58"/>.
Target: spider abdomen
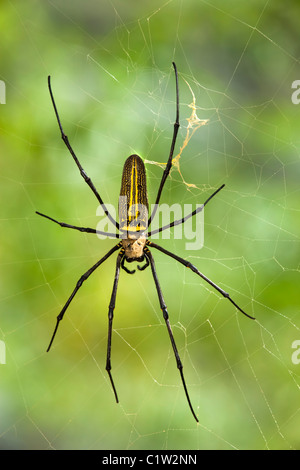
<point x="133" y="200"/>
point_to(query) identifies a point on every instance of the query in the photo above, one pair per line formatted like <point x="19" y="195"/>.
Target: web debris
<point x="194" y="123"/>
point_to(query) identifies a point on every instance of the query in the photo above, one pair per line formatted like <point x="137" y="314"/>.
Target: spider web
<point x="114" y="87"/>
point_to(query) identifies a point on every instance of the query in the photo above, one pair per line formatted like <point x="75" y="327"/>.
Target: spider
<point x="134" y="245"/>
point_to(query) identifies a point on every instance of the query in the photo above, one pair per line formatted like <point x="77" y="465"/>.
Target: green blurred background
<point x="110" y="63"/>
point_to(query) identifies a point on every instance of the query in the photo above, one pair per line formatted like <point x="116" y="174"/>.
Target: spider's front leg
<point x="83" y="173"/>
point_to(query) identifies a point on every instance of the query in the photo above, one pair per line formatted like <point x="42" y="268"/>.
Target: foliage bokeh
<point x="110" y="64"/>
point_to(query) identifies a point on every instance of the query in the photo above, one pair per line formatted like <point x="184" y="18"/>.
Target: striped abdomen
<point x="133" y="201"/>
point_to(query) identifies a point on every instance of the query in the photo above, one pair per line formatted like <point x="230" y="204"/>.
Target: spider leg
<point x="166" y="318"/>
<point x="181" y="221"/>
<point x="195" y="270"/>
<point x="77" y="287"/>
<point x="169" y="163"/>
<point x="110" y="321"/>
<point x="86" y="178"/>
<point x="81" y="229"/>
<point x="141" y="268"/>
<point x="128" y="271"/>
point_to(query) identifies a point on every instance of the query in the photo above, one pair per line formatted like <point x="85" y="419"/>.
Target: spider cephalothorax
<point x="134" y="249"/>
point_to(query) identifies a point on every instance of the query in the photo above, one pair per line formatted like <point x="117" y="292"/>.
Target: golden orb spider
<point x="134" y="246"/>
